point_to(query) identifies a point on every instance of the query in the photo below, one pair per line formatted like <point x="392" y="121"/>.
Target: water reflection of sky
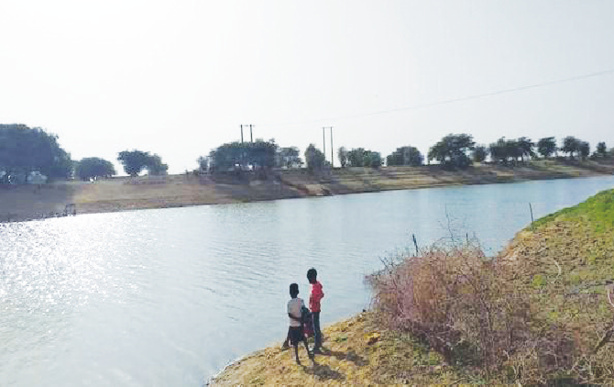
<point x="169" y="296"/>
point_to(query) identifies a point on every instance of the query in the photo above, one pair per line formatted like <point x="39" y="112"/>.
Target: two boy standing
<point x="296" y="305"/>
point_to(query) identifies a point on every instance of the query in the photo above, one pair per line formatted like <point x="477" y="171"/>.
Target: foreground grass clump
<point x="451" y="298"/>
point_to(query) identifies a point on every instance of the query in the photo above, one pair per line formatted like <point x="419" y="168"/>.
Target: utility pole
<point x="332" y="148"/>
<point x="251" y="137"/>
<point x="324" y="141"/>
<point x="241" y="133"/>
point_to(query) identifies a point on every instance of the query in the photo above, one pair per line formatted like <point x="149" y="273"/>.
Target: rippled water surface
<point x="168" y="297"/>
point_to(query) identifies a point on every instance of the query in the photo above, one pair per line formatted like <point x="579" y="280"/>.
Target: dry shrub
<point x="461" y="304"/>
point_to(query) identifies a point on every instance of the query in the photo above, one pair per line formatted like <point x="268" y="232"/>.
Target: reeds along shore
<point x="540" y="313"/>
<point x="18" y="203"/>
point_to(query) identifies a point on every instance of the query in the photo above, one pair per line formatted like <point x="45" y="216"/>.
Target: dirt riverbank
<point x="357" y="352"/>
<point x="18" y="203"/>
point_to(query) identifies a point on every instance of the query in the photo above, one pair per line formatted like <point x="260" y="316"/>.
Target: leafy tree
<point x="406" y="155"/>
<point x="571" y="145"/>
<point x="155" y="166"/>
<point x="498" y="151"/>
<point x="342" y="154"/>
<point x="288" y="157"/>
<point x="525" y="147"/>
<point x="94" y="167"/>
<point x="60" y="167"/>
<point x="584" y="149"/>
<point x="479" y="153"/>
<point x="506" y="151"/>
<point x="514" y="150"/>
<point x="227" y="156"/>
<point x="602" y="150"/>
<point x="373" y="159"/>
<point x="361" y="157"/>
<point x="203" y="163"/>
<point x="24" y="150"/>
<point x="315" y="158"/>
<point x="356" y="157"/>
<point x="134" y="161"/>
<point x="260" y="154"/>
<point x="546" y="146"/>
<point x="451" y="151"/>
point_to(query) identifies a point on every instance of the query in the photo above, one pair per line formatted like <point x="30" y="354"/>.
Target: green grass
<point x="597" y="210"/>
<point x="566" y="259"/>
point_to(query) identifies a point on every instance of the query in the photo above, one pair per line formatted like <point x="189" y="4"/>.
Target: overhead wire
<point x="453" y="100"/>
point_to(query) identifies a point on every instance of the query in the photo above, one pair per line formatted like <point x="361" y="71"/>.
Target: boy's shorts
<point x="296" y="335"/>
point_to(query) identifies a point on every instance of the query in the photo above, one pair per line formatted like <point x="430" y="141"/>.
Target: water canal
<point x="168" y="297"/>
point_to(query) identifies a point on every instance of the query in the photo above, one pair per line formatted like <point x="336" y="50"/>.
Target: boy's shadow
<point x="323" y="372"/>
<point x="349" y="356"/>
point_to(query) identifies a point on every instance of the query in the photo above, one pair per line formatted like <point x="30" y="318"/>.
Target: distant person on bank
<point x="314" y="305"/>
<point x="295" y="312"/>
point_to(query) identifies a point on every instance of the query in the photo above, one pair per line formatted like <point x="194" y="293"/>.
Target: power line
<point x="459" y="99"/>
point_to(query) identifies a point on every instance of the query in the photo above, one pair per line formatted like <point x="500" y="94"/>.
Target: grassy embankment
<point x="120" y="194"/>
<point x="543" y="318"/>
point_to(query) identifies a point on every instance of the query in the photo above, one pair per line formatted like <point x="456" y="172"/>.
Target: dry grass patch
<point x="358" y="353"/>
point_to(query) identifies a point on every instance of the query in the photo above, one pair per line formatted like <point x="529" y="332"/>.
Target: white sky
<point x="178" y="77"/>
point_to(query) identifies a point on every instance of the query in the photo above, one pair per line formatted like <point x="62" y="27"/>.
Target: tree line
<point x="134" y="162"/>
<point x="25" y="150"/>
<point x="460" y="150"/>
<point x="452" y="151"/>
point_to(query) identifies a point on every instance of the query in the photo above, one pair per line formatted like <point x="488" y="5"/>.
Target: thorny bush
<point x="461" y="304"/>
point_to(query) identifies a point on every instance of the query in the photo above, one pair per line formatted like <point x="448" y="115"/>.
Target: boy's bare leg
<point x="296" y="354"/>
<point x="286" y="343"/>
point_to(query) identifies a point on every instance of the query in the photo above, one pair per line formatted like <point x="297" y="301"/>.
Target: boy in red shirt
<point x="314" y="304"/>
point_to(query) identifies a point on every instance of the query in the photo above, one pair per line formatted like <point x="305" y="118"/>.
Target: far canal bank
<point x="20" y="203"/>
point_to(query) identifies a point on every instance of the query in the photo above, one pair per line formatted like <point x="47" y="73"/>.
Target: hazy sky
<point x="178" y="77"/>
